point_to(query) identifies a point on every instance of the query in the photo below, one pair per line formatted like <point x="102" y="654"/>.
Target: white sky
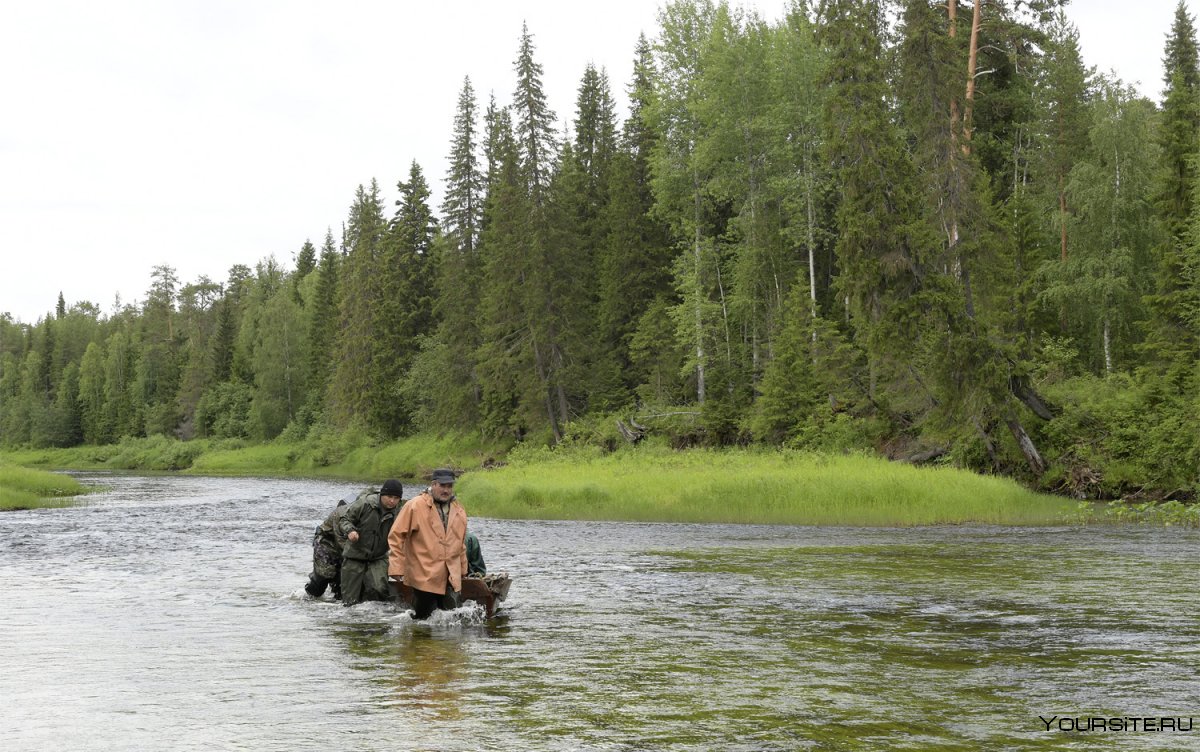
<point x="205" y="133"/>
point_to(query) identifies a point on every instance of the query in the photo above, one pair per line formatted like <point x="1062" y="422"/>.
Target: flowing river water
<point x="167" y="613"/>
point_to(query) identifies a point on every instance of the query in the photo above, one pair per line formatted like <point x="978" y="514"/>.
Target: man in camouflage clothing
<point x="328" y="543"/>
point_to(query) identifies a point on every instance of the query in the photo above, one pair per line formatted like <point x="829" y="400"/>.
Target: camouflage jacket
<point x="328" y="531"/>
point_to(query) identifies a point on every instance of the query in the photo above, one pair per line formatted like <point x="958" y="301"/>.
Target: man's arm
<point x="348" y="524"/>
<point x="462" y="556"/>
<point x="398" y="542"/>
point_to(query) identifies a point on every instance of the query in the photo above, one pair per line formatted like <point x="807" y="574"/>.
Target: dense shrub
<point x="1121" y="436"/>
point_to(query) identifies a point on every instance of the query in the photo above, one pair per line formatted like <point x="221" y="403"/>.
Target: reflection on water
<point x="419" y="667"/>
<point x="168" y="613"/>
<point x="428" y="673"/>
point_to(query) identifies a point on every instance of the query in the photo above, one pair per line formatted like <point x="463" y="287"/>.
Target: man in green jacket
<point x="475" y="563"/>
<point x="366" y="525"/>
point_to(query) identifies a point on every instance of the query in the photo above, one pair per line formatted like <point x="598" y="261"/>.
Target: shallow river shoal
<point x="168" y="612"/>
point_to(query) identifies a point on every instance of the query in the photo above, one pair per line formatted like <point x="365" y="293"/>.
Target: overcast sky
<point x="205" y="133"/>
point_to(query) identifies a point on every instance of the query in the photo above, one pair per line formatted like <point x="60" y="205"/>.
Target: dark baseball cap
<point x="443" y="475"/>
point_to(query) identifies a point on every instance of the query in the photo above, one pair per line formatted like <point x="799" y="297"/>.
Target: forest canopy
<point x="907" y="227"/>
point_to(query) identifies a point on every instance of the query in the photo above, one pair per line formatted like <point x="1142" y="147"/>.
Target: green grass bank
<point x="350" y="456"/>
<point x="747" y="486"/>
<point x="644" y="483"/>
<point x="27" y="488"/>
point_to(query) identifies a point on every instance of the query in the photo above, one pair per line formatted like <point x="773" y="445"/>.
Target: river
<point x="169" y="613"/>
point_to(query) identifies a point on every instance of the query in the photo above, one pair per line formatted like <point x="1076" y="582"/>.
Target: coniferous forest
<point x="920" y="228"/>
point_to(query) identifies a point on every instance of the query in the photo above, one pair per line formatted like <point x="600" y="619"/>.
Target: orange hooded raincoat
<point x="427" y="554"/>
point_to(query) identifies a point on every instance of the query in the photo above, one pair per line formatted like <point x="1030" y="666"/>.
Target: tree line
<point x="906" y="225"/>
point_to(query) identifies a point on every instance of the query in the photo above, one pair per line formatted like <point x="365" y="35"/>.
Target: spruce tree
<point x="223" y="339"/>
<point x="68" y="415"/>
<point x="351" y="386"/>
<point x="534" y="123"/>
<point x="238" y="288"/>
<point x="45" y="375"/>
<point x="595" y="132"/>
<point x="1180" y="121"/>
<point x="306" y="261"/>
<point x="462" y="207"/>
<point x="1179" y="135"/>
<point x="508" y="385"/>
<point x="323" y="323"/>
<point x="1064" y="95"/>
<point x="580" y="198"/>
<point x="880" y="226"/>
<point x="957" y="352"/>
<point x="406" y="308"/>
<point x="34" y="420"/>
<point x="633" y="268"/>
<point x="497" y="126"/>
<point x="525" y="246"/>
<point x="568" y="302"/>
<point x="443" y="385"/>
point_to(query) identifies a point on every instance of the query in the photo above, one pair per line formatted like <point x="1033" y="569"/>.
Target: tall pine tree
<point x="356" y="372"/>
<point x="1170" y="330"/>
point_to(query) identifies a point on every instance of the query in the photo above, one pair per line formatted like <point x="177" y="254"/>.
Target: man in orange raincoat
<point x="426" y="546"/>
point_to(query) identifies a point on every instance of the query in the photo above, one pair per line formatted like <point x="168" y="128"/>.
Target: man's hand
<point x="353" y="536"/>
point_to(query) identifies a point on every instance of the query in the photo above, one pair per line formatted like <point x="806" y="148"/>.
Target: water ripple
<point x="169" y="613"/>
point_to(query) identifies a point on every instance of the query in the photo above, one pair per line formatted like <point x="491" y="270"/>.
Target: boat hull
<point x="488" y="592"/>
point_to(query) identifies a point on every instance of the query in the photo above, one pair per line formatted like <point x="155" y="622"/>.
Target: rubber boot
<point x="315" y="586"/>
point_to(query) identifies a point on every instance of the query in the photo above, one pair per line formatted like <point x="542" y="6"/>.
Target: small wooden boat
<point x="488" y="591"/>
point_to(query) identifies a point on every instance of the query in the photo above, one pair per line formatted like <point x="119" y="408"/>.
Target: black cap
<point x="443" y="475"/>
<point x="391" y="487"/>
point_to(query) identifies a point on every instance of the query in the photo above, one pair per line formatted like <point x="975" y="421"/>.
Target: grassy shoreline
<point x="26" y="488"/>
<point x="348" y="457"/>
<point x="645" y="483"/>
<point x="748" y="486"/>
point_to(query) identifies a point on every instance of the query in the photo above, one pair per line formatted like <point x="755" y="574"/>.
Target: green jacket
<point x="373" y="521"/>
<point x="475" y="563"/>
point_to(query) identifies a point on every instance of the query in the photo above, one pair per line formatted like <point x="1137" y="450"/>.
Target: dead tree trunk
<point x="972" y="60"/>
<point x="952" y="17"/>
<point x="1036" y="464"/>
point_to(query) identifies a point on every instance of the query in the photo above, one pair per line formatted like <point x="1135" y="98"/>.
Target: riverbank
<point x="349" y="456"/>
<point x="748" y="486"/>
<point x="644" y="483"/>
<point x="26" y="488"/>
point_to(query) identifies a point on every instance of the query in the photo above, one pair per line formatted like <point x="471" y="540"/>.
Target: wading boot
<point x="315" y="586"/>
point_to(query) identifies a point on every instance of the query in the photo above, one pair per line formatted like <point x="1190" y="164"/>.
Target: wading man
<point x="366" y="525"/>
<point x="328" y="544"/>
<point x="427" y="546"/>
